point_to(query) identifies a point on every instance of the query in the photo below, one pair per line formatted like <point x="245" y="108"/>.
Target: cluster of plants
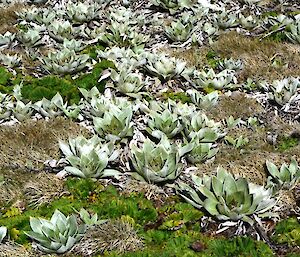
<point x="98" y="65"/>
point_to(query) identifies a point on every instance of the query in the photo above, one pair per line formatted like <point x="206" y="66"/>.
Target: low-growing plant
<point x="115" y="124"/>
<point x="157" y="163"/>
<point x="228" y="198"/>
<point x="163" y="67"/>
<point x="284" y="178"/>
<point x="3" y="232"/>
<point x="237" y="142"/>
<point x="57" y="235"/>
<point x="89" y="158"/>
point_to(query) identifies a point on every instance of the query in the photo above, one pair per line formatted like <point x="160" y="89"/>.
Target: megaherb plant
<point x="57" y="235"/>
<point x="228" y="198"/>
<point x="30" y="38"/>
<point x="201" y="151"/>
<point x="89" y="158"/>
<point x="210" y="79"/>
<point x="203" y="101"/>
<point x="115" y="124"/>
<point x="65" y="61"/>
<point x="292" y="31"/>
<point x="3" y="232"/>
<point x="163" y="67"/>
<point x="174" y="5"/>
<point x="128" y="82"/>
<point x="179" y="31"/>
<point x="164" y="121"/>
<point x="284" y="92"/>
<point x="82" y="12"/>
<point x="156" y="163"/>
<point x="284" y="178"/>
<point x="198" y="125"/>
<point x="6" y="39"/>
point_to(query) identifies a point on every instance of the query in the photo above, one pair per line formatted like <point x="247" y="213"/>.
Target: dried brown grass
<point x="258" y="56"/>
<point x="31" y="143"/>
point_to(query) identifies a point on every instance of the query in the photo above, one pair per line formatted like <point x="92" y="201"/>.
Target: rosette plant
<point x="65" y="61"/>
<point x="57" y="235"/>
<point x="179" y="31"/>
<point x="30" y="38"/>
<point x="128" y="82"/>
<point x="284" y="92"/>
<point x="89" y="158"/>
<point x="201" y="151"/>
<point x="198" y="125"/>
<point x="292" y="31"/>
<point x="163" y="67"/>
<point x="173" y="5"/>
<point x="228" y="198"/>
<point x="203" y="101"/>
<point x="157" y="163"/>
<point x="164" y="121"/>
<point x="284" y="178"/>
<point x="115" y="124"/>
<point x="82" y="12"/>
<point x="61" y="29"/>
<point x="3" y="232"/>
<point x="6" y="39"/>
<point x="10" y="61"/>
<point x="217" y="81"/>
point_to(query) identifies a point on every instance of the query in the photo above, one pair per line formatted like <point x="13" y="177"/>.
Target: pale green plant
<point x="89" y="158"/>
<point x="128" y="82"/>
<point x="231" y="64"/>
<point x="237" y="142"/>
<point x="163" y="67"/>
<point x="201" y="151"/>
<point x="249" y="22"/>
<point x="218" y="81"/>
<point x="89" y="219"/>
<point x="198" y="125"/>
<point x="61" y="29"/>
<point x="157" y="163"/>
<point x="10" y="61"/>
<point x="115" y="124"/>
<point x="231" y="122"/>
<point x="82" y="12"/>
<point x="284" y="92"/>
<point x="65" y="61"/>
<point x="6" y="39"/>
<point x="22" y="111"/>
<point x="284" y="178"/>
<point x="179" y="31"/>
<point x="30" y="38"/>
<point x="224" y="20"/>
<point x="228" y="198"/>
<point x="76" y="45"/>
<point x="292" y="31"/>
<point x="3" y="232"/>
<point x="174" y="5"/>
<point x="57" y="235"/>
<point x="71" y="111"/>
<point x="203" y="101"/>
<point x="164" y="121"/>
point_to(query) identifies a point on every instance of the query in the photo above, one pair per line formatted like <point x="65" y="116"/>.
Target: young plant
<point x="58" y="235"/>
<point x="237" y="142"/>
<point x="115" y="124"/>
<point x="203" y="101"/>
<point x="65" y="61"/>
<point x="164" y="121"/>
<point x="201" y="151"/>
<point x="89" y="158"/>
<point x="163" y="67"/>
<point x="156" y="163"/>
<point x="284" y="178"/>
<point x="6" y="39"/>
<point x="3" y="232"/>
<point x="179" y="31"/>
<point x="228" y="198"/>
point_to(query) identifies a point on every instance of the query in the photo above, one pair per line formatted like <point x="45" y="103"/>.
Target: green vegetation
<point x="288" y="231"/>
